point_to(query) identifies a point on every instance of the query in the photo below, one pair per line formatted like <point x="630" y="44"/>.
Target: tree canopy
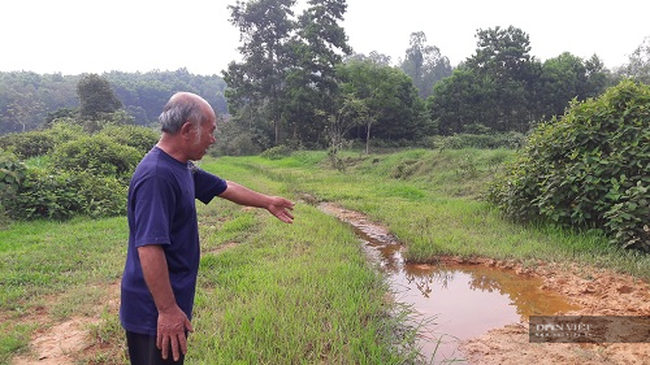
<point x="424" y="64"/>
<point x="96" y="97"/>
<point x="503" y="88"/>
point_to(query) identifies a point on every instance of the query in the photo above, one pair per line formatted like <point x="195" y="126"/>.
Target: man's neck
<point x="170" y="145"/>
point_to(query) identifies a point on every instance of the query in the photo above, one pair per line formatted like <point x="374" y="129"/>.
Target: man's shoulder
<point x="156" y="161"/>
<point x="152" y="167"/>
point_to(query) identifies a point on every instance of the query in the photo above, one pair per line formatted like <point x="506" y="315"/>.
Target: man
<point x="159" y="280"/>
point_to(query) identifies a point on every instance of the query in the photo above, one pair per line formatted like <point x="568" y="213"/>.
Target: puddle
<point x="456" y="302"/>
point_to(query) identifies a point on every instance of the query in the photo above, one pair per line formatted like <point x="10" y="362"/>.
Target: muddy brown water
<point x="451" y="302"/>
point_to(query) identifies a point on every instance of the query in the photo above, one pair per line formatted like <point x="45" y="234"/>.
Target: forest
<point x="30" y="101"/>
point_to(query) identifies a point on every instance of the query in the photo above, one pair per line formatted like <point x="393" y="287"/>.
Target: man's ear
<point x="187" y="130"/>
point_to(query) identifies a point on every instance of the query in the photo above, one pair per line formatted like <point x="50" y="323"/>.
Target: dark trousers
<point x="143" y="351"/>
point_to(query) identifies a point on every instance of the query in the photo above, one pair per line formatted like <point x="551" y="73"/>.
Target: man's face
<point x="204" y="138"/>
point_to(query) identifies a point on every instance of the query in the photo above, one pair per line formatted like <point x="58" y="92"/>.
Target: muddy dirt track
<point x="595" y="292"/>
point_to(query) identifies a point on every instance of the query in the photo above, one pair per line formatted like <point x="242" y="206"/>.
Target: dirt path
<point x="62" y="343"/>
<point x="58" y="344"/>
<point x="598" y="292"/>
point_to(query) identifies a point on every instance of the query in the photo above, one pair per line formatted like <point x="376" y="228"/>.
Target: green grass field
<point x="271" y="293"/>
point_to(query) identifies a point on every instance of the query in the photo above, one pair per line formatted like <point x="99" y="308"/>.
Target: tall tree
<point x="258" y="81"/>
<point x="563" y="78"/>
<point x="394" y="110"/>
<point x="424" y="64"/>
<point x="503" y="58"/>
<point x="462" y="101"/>
<point x="348" y="112"/>
<point x="96" y="97"/>
<point x="374" y="56"/>
<point x="319" y="46"/>
<point x="599" y="78"/>
<point x="22" y="108"/>
<point x="569" y="77"/>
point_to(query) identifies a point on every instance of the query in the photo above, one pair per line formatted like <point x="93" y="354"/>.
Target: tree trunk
<point x="368" y="138"/>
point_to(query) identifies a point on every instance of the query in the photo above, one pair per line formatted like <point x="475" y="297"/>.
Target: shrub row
<point x="84" y="173"/>
<point x="65" y="194"/>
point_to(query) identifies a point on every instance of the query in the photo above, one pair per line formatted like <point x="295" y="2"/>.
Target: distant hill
<point x="27" y="99"/>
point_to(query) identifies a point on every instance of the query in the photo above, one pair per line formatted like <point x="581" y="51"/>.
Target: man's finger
<point x="188" y="325"/>
<point x="175" y="351"/>
<point x="182" y="340"/>
<point x="165" y="347"/>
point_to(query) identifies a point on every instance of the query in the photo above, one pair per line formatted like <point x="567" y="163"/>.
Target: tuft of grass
<point x="14" y="339"/>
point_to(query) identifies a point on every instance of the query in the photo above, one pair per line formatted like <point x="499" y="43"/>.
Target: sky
<point x="78" y="36"/>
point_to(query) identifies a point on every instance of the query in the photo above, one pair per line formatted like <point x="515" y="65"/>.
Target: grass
<point x="301" y="294"/>
<point x="432" y="201"/>
<point x="55" y="268"/>
<point x="272" y="293"/>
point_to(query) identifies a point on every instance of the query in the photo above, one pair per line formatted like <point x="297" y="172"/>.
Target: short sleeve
<point x="153" y="211"/>
<point x="207" y="185"/>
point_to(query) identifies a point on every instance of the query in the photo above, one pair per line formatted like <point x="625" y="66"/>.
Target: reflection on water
<point x="455" y="302"/>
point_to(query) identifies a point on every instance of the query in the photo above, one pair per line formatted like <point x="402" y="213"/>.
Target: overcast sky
<point x="77" y="36"/>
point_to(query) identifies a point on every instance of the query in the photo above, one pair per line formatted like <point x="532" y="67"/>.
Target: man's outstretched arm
<point x="278" y="206"/>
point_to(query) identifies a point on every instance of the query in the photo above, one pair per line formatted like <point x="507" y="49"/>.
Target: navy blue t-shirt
<point x="161" y="211"/>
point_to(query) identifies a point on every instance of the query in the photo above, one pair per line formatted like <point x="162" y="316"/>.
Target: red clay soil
<point x="597" y="292"/>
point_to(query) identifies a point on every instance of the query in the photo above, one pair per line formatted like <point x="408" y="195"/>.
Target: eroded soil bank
<point x="588" y="291"/>
<point x="66" y="342"/>
<point x="596" y="292"/>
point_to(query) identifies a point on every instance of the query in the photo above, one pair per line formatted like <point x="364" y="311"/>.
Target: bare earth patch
<point x="68" y="342"/>
<point x="62" y="343"/>
<point x="224" y="247"/>
<point x="58" y="344"/>
<point x="598" y="292"/>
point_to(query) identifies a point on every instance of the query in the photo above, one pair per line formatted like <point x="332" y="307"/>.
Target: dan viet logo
<point x="562" y="330"/>
<point x="589" y="329"/>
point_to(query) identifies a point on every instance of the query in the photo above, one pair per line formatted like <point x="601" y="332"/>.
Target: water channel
<point x="451" y="302"/>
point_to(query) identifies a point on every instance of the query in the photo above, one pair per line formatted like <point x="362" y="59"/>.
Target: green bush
<point x="84" y="175"/>
<point x="65" y="130"/>
<point x="102" y="196"/>
<point x="234" y="140"/>
<point x="45" y="195"/>
<point x="12" y="173"/>
<point x="590" y="168"/>
<point x="99" y="154"/>
<point x="28" y="144"/>
<point x="58" y="194"/>
<point x="140" y="138"/>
